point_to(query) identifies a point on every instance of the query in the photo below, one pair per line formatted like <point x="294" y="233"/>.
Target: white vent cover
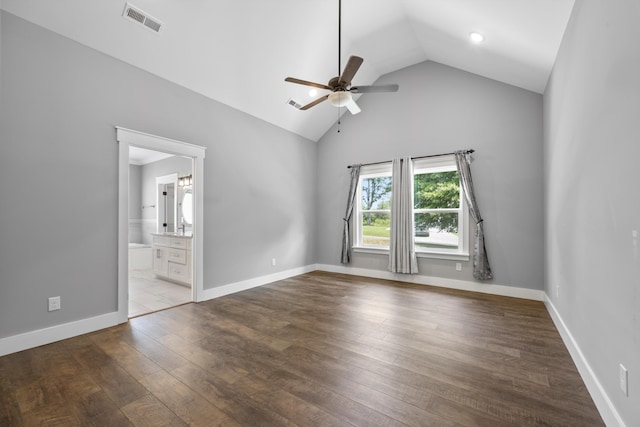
<point x="134" y="14"/>
<point x="294" y="104"/>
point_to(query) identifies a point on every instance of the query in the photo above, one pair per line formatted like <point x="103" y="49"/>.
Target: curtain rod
<point x="420" y="157"/>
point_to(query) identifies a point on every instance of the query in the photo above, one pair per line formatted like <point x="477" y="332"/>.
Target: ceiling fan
<point x="340" y="86"/>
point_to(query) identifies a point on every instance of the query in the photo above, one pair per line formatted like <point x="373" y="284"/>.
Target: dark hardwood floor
<point x="319" y="349"/>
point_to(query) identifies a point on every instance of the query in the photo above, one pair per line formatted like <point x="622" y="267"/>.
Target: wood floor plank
<point x="10" y="413"/>
<point x="366" y="387"/>
<point x="131" y="360"/>
<point x="289" y="406"/>
<point x="158" y="353"/>
<point x="119" y="385"/>
<point x="202" y="358"/>
<point x="231" y="398"/>
<point x="302" y="387"/>
<point x="333" y="402"/>
<point x="97" y="409"/>
<point x="319" y="349"/>
<point x="184" y="402"/>
<point x="149" y="411"/>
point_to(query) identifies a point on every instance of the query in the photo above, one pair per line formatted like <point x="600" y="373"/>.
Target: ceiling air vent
<point x="294" y="104"/>
<point x="137" y="15"/>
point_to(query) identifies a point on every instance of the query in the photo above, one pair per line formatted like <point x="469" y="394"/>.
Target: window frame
<point x="368" y="171"/>
<point x="433" y="165"/>
<point x="445" y="164"/>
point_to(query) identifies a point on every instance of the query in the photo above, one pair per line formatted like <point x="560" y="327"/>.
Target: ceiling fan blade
<point x="353" y="107"/>
<point x="350" y="70"/>
<point x="372" y="89"/>
<point x="314" y="103"/>
<point x="306" y="83"/>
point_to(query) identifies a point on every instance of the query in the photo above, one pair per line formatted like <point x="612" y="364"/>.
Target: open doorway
<point x="160" y="235"/>
<point x="176" y="248"/>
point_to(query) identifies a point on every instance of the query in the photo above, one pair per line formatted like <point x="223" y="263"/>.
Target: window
<point x="374" y="208"/>
<point x="440" y="213"/>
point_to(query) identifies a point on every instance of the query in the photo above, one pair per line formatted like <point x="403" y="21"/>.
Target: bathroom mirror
<point x="187" y="207"/>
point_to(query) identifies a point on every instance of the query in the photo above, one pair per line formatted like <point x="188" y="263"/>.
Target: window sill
<point x="432" y="255"/>
<point x="444" y="255"/>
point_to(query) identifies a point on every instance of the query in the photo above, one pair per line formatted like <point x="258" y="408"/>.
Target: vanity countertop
<point x="187" y="235"/>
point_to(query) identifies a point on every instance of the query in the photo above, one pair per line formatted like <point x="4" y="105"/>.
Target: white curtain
<point x="346" y="232"/>
<point x="402" y="255"/>
<point x="481" y="267"/>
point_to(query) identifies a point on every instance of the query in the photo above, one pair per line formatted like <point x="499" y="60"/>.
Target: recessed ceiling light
<point x="476" y="38"/>
<point x="313" y="92"/>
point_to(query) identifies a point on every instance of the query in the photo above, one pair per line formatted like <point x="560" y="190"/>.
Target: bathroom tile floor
<point x="147" y="293"/>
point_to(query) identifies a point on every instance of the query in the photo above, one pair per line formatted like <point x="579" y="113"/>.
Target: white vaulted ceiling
<point x="238" y="52"/>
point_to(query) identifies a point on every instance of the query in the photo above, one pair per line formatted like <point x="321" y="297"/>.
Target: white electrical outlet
<point x="273" y="262"/>
<point x="624" y="378"/>
<point x="54" y="303"/>
<point x="458" y="266"/>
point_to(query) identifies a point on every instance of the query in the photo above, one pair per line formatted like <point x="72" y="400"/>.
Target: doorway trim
<point x="125" y="138"/>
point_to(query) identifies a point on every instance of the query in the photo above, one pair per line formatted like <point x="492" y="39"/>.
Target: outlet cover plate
<point x="624" y="376"/>
<point x="54" y="303"/>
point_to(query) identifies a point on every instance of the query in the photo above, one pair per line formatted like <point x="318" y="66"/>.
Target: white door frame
<point x="125" y="138"/>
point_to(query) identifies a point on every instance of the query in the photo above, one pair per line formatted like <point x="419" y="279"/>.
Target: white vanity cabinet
<point x="172" y="258"/>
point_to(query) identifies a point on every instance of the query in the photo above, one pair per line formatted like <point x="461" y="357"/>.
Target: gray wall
<point x="135" y="191"/>
<point x="591" y="151"/>
<point x="60" y="104"/>
<point x="439" y="109"/>
<point x="135" y="204"/>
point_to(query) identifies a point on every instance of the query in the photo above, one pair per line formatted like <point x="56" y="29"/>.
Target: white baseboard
<point x="16" y="343"/>
<point x="51" y="334"/>
<point x="507" y="291"/>
<point x="606" y="408"/>
<point x="232" y="288"/>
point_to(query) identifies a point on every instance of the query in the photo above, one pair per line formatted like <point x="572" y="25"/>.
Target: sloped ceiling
<point x="238" y="52"/>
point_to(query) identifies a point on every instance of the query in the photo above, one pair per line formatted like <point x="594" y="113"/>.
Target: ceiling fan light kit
<point x="476" y="38"/>
<point x="340" y="98"/>
<point x="340" y="86"/>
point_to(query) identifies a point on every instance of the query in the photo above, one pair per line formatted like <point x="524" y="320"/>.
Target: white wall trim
<point x="56" y="333"/>
<point x="605" y="406"/>
<point x="463" y="285"/>
<point x="610" y="415"/>
<point x="232" y="288"/>
<point x="125" y="138"/>
<point x="16" y="343"/>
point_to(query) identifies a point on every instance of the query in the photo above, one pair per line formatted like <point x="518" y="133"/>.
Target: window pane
<point x="376" y="193"/>
<point x="436" y="190"/>
<point x="436" y="230"/>
<point x="376" y="229"/>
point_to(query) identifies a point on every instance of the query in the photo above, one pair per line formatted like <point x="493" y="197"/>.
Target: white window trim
<point x="443" y="164"/>
<point x="450" y="256"/>
<point x="372" y="171"/>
